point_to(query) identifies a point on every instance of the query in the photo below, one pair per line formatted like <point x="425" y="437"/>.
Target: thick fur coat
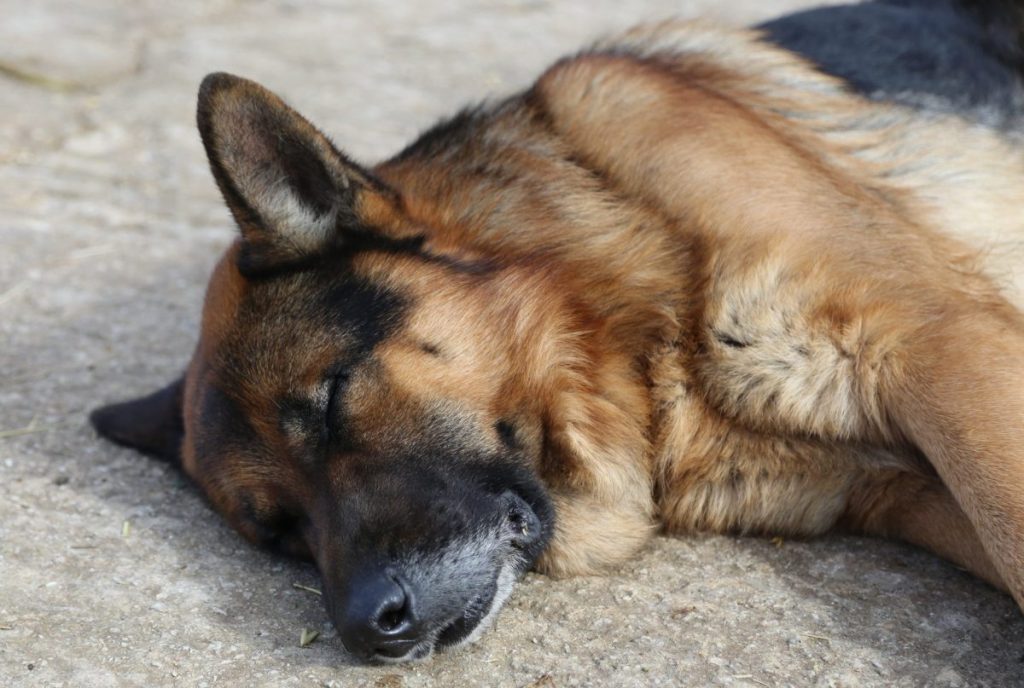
<point x="694" y="279"/>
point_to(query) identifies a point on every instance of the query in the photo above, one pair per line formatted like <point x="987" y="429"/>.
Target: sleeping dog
<point x="694" y="279"/>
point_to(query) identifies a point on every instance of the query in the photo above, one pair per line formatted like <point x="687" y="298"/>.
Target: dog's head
<point x="354" y="396"/>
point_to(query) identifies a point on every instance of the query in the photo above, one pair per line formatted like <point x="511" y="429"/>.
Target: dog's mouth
<point x="402" y="607"/>
<point x="465" y="628"/>
<point x="458" y="630"/>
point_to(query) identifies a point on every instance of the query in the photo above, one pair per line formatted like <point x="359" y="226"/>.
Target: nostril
<point x="391" y="620"/>
<point x="378" y="615"/>
<point x="394" y="614"/>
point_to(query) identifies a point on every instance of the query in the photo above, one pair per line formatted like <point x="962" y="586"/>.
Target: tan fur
<point x="779" y="247"/>
<point x="827" y="271"/>
<point x="718" y="292"/>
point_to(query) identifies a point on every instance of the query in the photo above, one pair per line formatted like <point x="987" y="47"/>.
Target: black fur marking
<point x="445" y="136"/>
<point x="507" y="432"/>
<point x="225" y="428"/>
<point x="1003" y="20"/>
<point x="432" y="349"/>
<point x="964" y="54"/>
<point x="277" y="531"/>
<point x="365" y="312"/>
<point x="253" y="265"/>
<point x="322" y="428"/>
<point x="730" y="341"/>
<point x="362" y="314"/>
<point x="419" y="503"/>
<point x="308" y="176"/>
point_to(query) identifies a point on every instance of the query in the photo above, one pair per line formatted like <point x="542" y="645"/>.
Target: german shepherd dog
<point x="693" y="279"/>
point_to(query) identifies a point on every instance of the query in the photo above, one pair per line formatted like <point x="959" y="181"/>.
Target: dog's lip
<point x="396" y="649"/>
<point x="464" y="624"/>
<point x="451" y="634"/>
<point x="416" y="651"/>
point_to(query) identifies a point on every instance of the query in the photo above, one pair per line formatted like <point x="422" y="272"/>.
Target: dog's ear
<point x="290" y="190"/>
<point x="152" y="424"/>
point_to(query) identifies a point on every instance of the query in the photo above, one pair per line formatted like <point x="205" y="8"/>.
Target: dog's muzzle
<point x="402" y="608"/>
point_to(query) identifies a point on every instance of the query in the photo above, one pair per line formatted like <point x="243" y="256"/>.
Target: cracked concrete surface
<point x="109" y="225"/>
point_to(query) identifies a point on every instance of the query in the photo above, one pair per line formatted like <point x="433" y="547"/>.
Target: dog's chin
<point x="466" y="628"/>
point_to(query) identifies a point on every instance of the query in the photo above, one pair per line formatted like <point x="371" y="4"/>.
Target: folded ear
<point x="152" y="424"/>
<point x="290" y="190"/>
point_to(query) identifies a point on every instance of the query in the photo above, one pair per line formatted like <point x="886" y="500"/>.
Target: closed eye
<point x="335" y="390"/>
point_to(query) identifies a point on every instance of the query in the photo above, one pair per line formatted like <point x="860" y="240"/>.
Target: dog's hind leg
<point x="960" y="398"/>
<point x="921" y="510"/>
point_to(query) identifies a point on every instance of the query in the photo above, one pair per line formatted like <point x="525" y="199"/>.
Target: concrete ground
<point x="112" y="569"/>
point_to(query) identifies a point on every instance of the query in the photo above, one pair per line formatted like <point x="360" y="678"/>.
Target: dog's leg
<point x="593" y="534"/>
<point x="921" y="510"/>
<point x="913" y="363"/>
<point x="960" y="398"/>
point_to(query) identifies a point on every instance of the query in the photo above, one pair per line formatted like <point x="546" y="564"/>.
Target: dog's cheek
<point x="272" y="527"/>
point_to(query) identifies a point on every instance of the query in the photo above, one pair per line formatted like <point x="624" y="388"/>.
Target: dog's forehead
<point x="272" y="344"/>
<point x="272" y="339"/>
<point x="284" y="324"/>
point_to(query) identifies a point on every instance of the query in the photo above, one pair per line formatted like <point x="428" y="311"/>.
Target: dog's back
<point x="957" y="56"/>
<point x="923" y="100"/>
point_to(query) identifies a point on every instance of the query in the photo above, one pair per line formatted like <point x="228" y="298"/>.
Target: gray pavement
<point x="109" y="225"/>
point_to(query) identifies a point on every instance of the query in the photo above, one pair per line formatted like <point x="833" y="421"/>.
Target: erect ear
<point x="152" y="424"/>
<point x="290" y="190"/>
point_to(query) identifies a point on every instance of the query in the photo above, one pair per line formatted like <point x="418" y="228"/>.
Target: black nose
<point x="379" y="617"/>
